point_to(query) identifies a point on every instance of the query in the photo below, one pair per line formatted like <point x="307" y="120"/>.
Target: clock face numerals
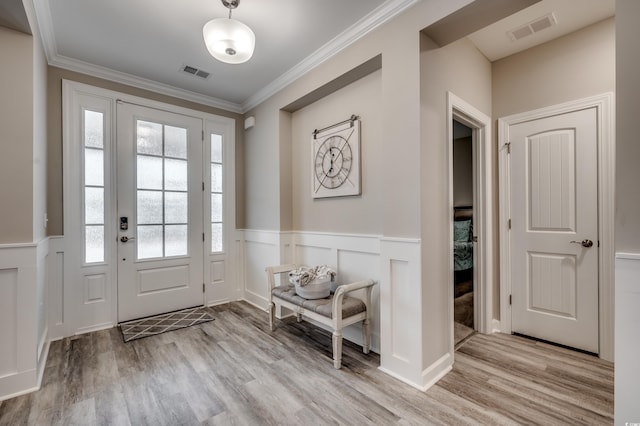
<point x="333" y="162"/>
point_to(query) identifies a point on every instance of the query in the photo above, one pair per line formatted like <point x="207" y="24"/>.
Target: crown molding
<point x="45" y="24"/>
<point x="370" y="22"/>
<point x="373" y="20"/>
<point x="142" y="83"/>
<point x="45" y="27"/>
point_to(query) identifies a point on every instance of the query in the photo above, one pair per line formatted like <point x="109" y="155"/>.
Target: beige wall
<point x="627" y="375"/>
<point x="357" y="214"/>
<point x="575" y="66"/>
<point x="409" y="144"/>
<point x="54" y="151"/>
<point x="263" y="167"/>
<point x="463" y="70"/>
<point x="627" y="143"/>
<point x="39" y="139"/>
<point x="398" y="41"/>
<point x="16" y="137"/>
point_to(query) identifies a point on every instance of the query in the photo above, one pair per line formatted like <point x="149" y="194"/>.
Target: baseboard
<point x="437" y="371"/>
<point x="18" y="384"/>
<point x="495" y="326"/>
<point x="256" y="300"/>
<point x="252" y="303"/>
<point x="97" y="327"/>
<point x="430" y="375"/>
<point x="218" y="302"/>
<point x="42" y="363"/>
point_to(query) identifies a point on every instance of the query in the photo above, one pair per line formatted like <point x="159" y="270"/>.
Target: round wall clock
<point x="335" y="160"/>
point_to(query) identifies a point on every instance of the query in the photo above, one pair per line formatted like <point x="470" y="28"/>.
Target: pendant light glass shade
<point x="229" y="40"/>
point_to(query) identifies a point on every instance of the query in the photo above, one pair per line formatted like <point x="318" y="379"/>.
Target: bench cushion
<point x="350" y="305"/>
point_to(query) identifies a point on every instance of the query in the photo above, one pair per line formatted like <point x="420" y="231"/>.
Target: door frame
<point x="89" y="299"/>
<point x="604" y="106"/>
<point x="483" y="274"/>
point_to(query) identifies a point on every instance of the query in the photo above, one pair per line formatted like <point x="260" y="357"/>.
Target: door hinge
<point x="203" y="136"/>
<point x="203" y="237"/>
<point x="509" y="223"/>
<point x="203" y="287"/>
<point x="510" y="299"/>
<point x="508" y="144"/>
<point x="203" y="186"/>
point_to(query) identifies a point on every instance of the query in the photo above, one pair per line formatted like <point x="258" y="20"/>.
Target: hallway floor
<point x="234" y="371"/>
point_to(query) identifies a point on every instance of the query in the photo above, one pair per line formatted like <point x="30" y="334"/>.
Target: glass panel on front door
<point x="162" y="182"/>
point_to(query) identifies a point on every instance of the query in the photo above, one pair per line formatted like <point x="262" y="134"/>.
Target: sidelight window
<point x="94" y="205"/>
<point x="216" y="193"/>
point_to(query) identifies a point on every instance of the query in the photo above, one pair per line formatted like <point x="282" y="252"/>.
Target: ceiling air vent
<point x="195" y="71"/>
<point x="533" y="27"/>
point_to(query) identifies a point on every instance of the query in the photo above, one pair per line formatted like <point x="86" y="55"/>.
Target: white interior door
<point x="553" y="202"/>
<point x="160" y="211"/>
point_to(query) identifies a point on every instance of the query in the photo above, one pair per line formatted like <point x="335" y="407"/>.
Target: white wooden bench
<point x="336" y="311"/>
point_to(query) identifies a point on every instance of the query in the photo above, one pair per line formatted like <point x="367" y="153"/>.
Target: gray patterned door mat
<point x="150" y="326"/>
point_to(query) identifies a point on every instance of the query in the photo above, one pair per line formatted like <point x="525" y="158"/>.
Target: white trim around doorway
<point x="604" y="105"/>
<point x="480" y="123"/>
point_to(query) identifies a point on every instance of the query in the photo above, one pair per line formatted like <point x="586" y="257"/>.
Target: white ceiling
<point x="13" y="15"/>
<point x="571" y="15"/>
<point x="153" y="39"/>
<point x="146" y="42"/>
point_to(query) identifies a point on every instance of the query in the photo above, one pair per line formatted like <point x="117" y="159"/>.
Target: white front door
<point x="553" y="168"/>
<point x="160" y="211"/>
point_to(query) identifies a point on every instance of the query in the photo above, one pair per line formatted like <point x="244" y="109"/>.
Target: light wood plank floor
<point x="234" y="371"/>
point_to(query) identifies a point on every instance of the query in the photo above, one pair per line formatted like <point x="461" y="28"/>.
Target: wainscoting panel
<point x="354" y="266"/>
<point x="395" y="263"/>
<point x="42" y="260"/>
<point x="401" y="316"/>
<point x="55" y="289"/>
<point x="8" y="321"/>
<point x="627" y="338"/>
<point x="22" y="317"/>
<point x="400" y="304"/>
<point x="354" y="257"/>
<point x="310" y="255"/>
<point x="261" y="249"/>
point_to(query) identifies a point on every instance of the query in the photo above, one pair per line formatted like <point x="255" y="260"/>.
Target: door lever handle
<point x="124" y="239"/>
<point x="583" y="243"/>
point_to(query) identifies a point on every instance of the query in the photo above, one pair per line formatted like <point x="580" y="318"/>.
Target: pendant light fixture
<point x="229" y="40"/>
